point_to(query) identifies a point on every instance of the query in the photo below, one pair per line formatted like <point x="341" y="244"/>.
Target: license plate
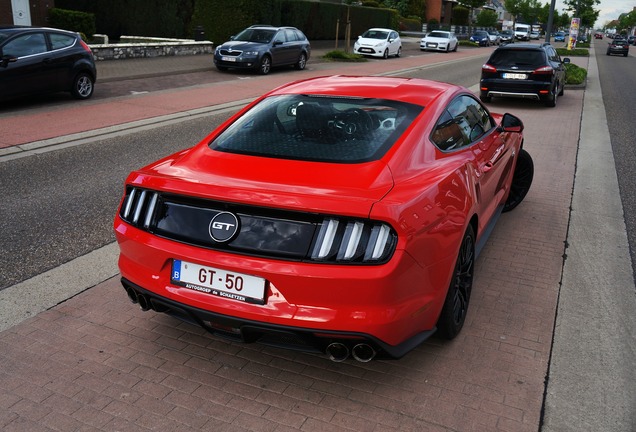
<point x="431" y="45"/>
<point x="230" y="59"/>
<point x="514" y="76"/>
<point x="218" y="282"/>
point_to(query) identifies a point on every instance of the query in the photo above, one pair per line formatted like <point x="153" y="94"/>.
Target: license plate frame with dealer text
<point x="218" y="282"/>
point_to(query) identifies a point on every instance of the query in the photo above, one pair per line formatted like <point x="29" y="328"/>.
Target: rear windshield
<point x="520" y="57"/>
<point x="318" y="128"/>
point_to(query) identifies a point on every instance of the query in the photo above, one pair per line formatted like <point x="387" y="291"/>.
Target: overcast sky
<point x="610" y="9"/>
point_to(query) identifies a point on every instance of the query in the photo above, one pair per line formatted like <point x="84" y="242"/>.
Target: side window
<point x="291" y="35"/>
<point x="464" y="122"/>
<point x="59" y="41"/>
<point x="25" y="45"/>
<point x="280" y="37"/>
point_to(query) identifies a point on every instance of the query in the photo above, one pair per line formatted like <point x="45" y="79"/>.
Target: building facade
<point x="25" y="12"/>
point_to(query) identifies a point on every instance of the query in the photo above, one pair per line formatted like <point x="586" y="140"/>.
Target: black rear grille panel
<point x="264" y="232"/>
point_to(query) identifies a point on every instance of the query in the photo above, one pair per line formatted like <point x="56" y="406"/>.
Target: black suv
<point x="524" y="70"/>
<point x="35" y="60"/>
<point x="262" y="47"/>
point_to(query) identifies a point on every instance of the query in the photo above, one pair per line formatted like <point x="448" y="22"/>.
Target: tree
<point x="460" y="15"/>
<point x="487" y="18"/>
<point x="471" y="4"/>
<point x="516" y="8"/>
<point x="583" y="9"/>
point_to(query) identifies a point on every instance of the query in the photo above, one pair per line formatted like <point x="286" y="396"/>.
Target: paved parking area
<point x="97" y="362"/>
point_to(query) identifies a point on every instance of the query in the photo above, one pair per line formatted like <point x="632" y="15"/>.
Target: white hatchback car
<point x="439" y="40"/>
<point x="379" y="42"/>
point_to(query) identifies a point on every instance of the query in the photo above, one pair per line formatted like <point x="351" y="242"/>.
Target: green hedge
<point x="222" y="19"/>
<point x="80" y="22"/>
<point x="319" y="21"/>
<point x="137" y="18"/>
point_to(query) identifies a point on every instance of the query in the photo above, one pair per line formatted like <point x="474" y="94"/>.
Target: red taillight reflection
<point x="544" y="70"/>
<point x="86" y="47"/>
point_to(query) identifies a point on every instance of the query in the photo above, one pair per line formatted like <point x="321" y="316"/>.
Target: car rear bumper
<point x="536" y="90"/>
<point x="391" y="307"/>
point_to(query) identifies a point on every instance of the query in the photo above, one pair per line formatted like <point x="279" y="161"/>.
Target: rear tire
<point x="485" y="99"/>
<point x="453" y="315"/>
<point x="399" y="52"/>
<point x="521" y="180"/>
<point x="83" y="86"/>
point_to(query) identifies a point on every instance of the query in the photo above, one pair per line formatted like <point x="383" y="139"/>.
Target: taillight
<point x="86" y="47"/>
<point x="488" y="68"/>
<point x="547" y="70"/>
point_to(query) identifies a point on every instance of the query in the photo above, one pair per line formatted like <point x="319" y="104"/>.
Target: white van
<point x="522" y="31"/>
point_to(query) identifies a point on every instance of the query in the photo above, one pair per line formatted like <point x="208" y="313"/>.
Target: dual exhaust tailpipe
<point x="339" y="352"/>
<point x="144" y="302"/>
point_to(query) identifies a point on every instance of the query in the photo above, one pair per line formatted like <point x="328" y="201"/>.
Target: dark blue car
<point x="559" y="37"/>
<point x="480" y="37"/>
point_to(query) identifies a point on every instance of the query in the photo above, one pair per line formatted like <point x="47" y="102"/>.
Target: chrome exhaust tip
<point x="337" y="352"/>
<point x="363" y="353"/>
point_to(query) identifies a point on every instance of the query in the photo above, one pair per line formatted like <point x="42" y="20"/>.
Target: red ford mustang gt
<point x="340" y="215"/>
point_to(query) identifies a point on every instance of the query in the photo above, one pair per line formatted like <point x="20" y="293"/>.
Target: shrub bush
<point x="80" y="22"/>
<point x="338" y="55"/>
<point x="576" y="52"/>
<point x="575" y="74"/>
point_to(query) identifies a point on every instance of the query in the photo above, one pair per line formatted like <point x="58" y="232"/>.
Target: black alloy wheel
<point x="521" y="180"/>
<point x="453" y="315"/>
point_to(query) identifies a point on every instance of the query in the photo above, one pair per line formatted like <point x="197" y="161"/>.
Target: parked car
<point x="618" y="46"/>
<point x="378" y="42"/>
<point x="263" y="47"/>
<point x="480" y="37"/>
<point x="631" y="40"/>
<point x="439" y="40"/>
<point x="524" y="70"/>
<point x="36" y="60"/>
<point x="559" y="37"/>
<point x="507" y="36"/>
<point x="534" y="35"/>
<point x="495" y="39"/>
<point x="340" y="215"/>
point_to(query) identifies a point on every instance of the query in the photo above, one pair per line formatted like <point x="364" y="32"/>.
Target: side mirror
<point x="511" y="123"/>
<point x="6" y="59"/>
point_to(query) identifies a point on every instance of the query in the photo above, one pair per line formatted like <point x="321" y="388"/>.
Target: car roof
<point x="524" y="46"/>
<point x="270" y="27"/>
<point x="411" y="90"/>
<point x="21" y="29"/>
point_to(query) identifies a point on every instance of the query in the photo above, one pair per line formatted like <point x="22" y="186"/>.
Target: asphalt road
<point x="60" y="205"/>
<point x="617" y="75"/>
